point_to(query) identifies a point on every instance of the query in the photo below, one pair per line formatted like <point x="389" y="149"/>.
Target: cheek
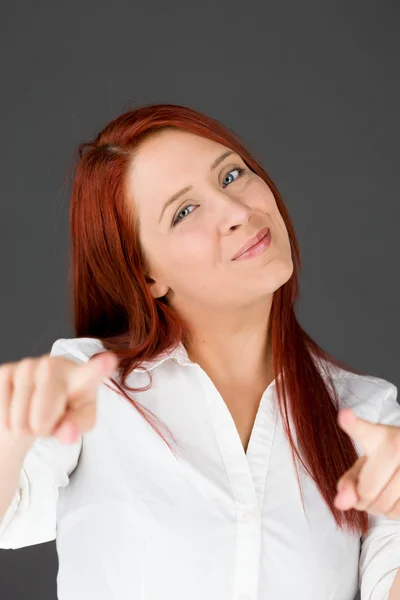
<point x="266" y="202"/>
<point x="261" y="195"/>
<point x="187" y="265"/>
<point x="189" y="252"/>
<point x="190" y="248"/>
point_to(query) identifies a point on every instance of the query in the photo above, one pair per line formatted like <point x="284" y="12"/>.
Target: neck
<point x="243" y="359"/>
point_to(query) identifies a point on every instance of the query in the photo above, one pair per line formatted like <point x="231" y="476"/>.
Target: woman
<point x="216" y="477"/>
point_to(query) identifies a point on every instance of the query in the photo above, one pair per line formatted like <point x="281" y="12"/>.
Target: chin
<point x="280" y="273"/>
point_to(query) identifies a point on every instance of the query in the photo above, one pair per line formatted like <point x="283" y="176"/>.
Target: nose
<point x="233" y="211"/>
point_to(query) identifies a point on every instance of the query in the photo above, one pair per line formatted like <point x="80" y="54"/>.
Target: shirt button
<point x="246" y="516"/>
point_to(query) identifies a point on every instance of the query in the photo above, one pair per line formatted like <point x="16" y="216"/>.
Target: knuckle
<point x="47" y="383"/>
<point x="25" y="364"/>
<point x="45" y="366"/>
<point x="5" y="370"/>
<point x="5" y="376"/>
<point x="23" y="370"/>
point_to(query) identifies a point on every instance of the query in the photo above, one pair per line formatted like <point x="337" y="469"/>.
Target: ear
<point x="157" y="290"/>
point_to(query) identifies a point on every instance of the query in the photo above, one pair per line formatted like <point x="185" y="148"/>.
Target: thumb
<point x="92" y="373"/>
<point x="79" y="415"/>
<point x="352" y="474"/>
<point x="347" y="495"/>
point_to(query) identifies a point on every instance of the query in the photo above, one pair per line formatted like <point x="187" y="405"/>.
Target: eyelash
<point x="175" y="220"/>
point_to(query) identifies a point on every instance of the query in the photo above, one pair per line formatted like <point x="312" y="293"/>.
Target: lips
<point x="252" y="242"/>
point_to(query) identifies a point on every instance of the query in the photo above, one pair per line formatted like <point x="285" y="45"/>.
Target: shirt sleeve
<point x="31" y="516"/>
<point x="380" y="547"/>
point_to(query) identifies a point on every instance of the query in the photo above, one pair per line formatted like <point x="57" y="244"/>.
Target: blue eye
<point x="176" y="220"/>
<point x="226" y="181"/>
<point x="238" y="169"/>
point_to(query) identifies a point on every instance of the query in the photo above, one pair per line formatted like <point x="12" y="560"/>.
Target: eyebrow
<point x="177" y="195"/>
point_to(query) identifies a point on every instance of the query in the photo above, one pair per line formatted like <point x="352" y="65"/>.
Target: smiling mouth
<point x="258" y="248"/>
<point x="251" y="242"/>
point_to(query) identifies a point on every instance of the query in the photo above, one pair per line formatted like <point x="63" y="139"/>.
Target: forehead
<point x="168" y="160"/>
<point x="170" y="145"/>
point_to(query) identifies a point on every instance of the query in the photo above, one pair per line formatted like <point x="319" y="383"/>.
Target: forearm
<point x="13" y="450"/>
<point x="394" y="593"/>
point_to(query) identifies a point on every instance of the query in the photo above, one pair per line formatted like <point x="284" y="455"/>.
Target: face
<point x="190" y="242"/>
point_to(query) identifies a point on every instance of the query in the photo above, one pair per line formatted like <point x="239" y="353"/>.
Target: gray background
<point x="312" y="87"/>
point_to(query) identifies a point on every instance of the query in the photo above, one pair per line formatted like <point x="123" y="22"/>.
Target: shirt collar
<point x="178" y="354"/>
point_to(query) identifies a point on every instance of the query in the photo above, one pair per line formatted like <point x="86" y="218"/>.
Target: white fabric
<point x="133" y="522"/>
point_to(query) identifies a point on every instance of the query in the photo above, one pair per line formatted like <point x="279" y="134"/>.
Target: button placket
<point x="247" y="515"/>
<point x="248" y="539"/>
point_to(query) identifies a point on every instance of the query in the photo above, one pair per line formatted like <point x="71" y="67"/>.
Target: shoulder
<point x="369" y="396"/>
<point x="79" y="349"/>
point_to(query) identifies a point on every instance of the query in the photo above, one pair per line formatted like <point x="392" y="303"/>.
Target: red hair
<point x="112" y="302"/>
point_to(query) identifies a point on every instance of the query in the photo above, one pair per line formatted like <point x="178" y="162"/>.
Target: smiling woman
<point x="189" y="254"/>
<point x="185" y="265"/>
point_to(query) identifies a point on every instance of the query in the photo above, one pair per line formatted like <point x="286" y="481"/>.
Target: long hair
<point x="112" y="302"/>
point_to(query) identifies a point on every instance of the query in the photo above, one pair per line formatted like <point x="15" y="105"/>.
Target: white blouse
<point x="131" y="521"/>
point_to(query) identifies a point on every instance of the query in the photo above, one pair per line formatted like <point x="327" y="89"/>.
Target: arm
<point x="31" y="473"/>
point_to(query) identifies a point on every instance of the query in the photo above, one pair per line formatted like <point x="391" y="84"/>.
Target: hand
<point x="51" y="396"/>
<point x="373" y="482"/>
